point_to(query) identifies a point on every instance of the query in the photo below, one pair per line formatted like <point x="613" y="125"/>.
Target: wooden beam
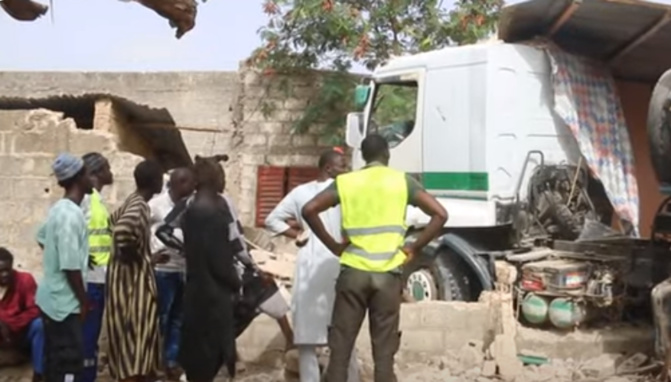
<point x="564" y="17"/>
<point x="641" y="38"/>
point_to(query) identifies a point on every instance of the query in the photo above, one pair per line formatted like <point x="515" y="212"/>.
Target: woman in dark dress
<point x="208" y="331"/>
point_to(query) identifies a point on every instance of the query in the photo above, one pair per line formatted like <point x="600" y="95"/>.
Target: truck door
<point x="396" y="114"/>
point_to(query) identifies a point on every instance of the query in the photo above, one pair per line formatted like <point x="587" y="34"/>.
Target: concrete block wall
<point x="442" y="329"/>
<point x="267" y="139"/>
<point x="438" y="328"/>
<point x="199" y="102"/>
<point x="217" y="112"/>
<point x="29" y="142"/>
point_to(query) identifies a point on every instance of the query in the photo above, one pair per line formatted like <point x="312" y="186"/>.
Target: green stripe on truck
<point x="455" y="181"/>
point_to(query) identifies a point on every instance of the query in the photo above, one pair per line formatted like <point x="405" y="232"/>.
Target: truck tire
<point x="445" y="278"/>
<point x="659" y="128"/>
<point x="455" y="279"/>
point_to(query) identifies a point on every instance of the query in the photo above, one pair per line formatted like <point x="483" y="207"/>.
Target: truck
<point x="479" y="127"/>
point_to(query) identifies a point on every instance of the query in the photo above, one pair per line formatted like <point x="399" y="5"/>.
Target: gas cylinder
<point x="565" y="313"/>
<point x="535" y="308"/>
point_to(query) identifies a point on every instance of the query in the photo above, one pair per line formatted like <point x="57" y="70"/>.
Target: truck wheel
<point x="446" y="278"/>
<point x="659" y="128"/>
<point x="455" y="279"/>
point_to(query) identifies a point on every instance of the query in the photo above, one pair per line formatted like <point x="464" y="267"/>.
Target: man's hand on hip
<point x="338" y="248"/>
<point x="409" y="254"/>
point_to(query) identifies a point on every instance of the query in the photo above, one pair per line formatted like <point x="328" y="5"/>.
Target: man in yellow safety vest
<point x="100" y="243"/>
<point x="373" y="203"/>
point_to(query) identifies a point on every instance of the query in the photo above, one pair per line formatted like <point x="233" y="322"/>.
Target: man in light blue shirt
<point x="61" y="295"/>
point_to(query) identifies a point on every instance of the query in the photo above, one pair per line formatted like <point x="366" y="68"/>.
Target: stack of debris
<point x="280" y="265"/>
<point x="271" y="258"/>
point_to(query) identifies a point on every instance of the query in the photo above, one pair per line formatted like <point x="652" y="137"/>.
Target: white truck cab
<point x="465" y="120"/>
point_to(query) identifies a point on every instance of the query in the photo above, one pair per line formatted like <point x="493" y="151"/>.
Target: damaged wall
<point x="29" y="142"/>
<point x="216" y="112"/>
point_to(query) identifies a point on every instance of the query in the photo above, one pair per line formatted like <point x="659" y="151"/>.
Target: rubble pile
<point x="280" y="265"/>
<point x="471" y="364"/>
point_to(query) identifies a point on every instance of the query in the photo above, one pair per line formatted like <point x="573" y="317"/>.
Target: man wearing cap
<point x="61" y="296"/>
<point x="100" y="243"/>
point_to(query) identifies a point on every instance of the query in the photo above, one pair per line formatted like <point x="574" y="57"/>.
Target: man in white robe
<point x="316" y="268"/>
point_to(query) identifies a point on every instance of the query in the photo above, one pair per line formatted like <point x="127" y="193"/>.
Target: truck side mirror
<point x="361" y="94"/>
<point x="354" y="130"/>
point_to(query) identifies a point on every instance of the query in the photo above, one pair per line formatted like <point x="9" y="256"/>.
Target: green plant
<point x="304" y="35"/>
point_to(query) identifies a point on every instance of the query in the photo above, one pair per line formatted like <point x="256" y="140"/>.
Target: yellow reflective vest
<point x="373" y="203"/>
<point x="100" y="237"/>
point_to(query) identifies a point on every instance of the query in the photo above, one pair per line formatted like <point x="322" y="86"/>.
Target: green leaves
<point x="336" y="35"/>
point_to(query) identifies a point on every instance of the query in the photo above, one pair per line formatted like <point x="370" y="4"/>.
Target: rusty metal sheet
<point x="270" y="189"/>
<point x="632" y="36"/>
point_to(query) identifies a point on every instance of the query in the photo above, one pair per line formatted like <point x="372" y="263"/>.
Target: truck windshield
<point x="394" y="110"/>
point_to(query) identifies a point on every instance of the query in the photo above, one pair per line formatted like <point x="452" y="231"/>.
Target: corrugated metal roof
<point x="632" y="36"/>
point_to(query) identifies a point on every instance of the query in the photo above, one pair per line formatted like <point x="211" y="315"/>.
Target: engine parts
<point x="556" y="274"/>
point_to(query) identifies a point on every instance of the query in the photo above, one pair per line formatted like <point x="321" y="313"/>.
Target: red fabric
<point x="17" y="307"/>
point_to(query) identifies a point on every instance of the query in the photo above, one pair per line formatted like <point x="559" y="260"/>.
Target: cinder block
<point x="423" y="340"/>
<point x="296" y="104"/>
<point x="16" y="166"/>
<point x="267" y="126"/>
<point x="255" y="140"/>
<point x="291" y="160"/>
<point x="6" y="184"/>
<point x="8" y="233"/>
<point x="410" y="316"/>
<point x="26" y="232"/>
<point x="284" y="115"/>
<point x="455" y="316"/>
<point x="10" y="118"/>
<point x="281" y="140"/>
<point x="252" y="159"/>
<point x="34" y="188"/>
<point x="16" y="213"/>
<point x="82" y="142"/>
<point x="35" y="143"/>
<point x="303" y="140"/>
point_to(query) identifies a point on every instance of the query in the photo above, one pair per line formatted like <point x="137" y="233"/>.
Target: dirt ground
<point x="433" y="370"/>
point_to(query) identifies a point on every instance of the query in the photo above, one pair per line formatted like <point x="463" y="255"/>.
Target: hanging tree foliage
<point x="339" y="35"/>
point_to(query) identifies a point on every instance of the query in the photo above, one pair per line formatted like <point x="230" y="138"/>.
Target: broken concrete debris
<point x="479" y="361"/>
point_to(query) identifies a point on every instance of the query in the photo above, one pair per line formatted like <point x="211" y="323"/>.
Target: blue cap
<point x="66" y="166"/>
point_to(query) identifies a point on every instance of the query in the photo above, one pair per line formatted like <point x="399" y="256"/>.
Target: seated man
<point x="20" y="323"/>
